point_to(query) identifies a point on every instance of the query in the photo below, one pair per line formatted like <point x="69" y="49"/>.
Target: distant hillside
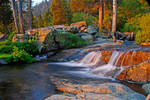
<point x="40" y="8"/>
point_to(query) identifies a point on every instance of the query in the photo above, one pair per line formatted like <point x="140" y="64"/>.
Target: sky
<point x="37" y="1"/>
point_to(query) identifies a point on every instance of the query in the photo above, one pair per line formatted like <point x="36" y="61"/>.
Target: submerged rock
<point x="60" y="97"/>
<point x="146" y="87"/>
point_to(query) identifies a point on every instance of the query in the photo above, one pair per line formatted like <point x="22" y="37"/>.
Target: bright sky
<point x="37" y="1"/>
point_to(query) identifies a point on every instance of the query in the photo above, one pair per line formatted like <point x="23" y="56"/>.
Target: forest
<point x="125" y="16"/>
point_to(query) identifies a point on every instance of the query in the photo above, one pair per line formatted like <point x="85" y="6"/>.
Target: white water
<point x="91" y="59"/>
<point x="101" y="70"/>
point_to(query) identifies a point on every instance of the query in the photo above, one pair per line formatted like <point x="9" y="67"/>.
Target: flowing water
<point x="32" y="81"/>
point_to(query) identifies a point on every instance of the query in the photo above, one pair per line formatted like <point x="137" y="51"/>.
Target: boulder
<point x="106" y="91"/>
<point x="2" y="62"/>
<point x="59" y="40"/>
<point x="81" y="34"/>
<point x="3" y="37"/>
<point x="92" y="30"/>
<point x="146" y="88"/>
<point x="88" y="38"/>
<point x="145" y="44"/>
<point x="137" y="73"/>
<point x="82" y="29"/>
<point x="20" y="38"/>
<point x="79" y="24"/>
<point x="39" y="33"/>
<point x="130" y="35"/>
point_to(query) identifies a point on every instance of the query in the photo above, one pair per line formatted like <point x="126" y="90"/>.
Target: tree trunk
<point x="101" y="14"/>
<point x="21" y="16"/>
<point x="29" y="12"/>
<point x="15" y="16"/>
<point x="46" y="3"/>
<point x="114" y="21"/>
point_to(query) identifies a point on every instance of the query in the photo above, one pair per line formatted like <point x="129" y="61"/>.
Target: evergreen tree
<point x="61" y="13"/>
<point x="47" y="18"/>
<point x="40" y="22"/>
<point x="5" y="16"/>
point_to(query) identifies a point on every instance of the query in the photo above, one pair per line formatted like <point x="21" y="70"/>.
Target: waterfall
<point x="124" y="59"/>
<point x="92" y="58"/>
<point x="92" y="63"/>
<point x="101" y="70"/>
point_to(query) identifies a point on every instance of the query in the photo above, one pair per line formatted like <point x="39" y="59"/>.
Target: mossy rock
<point x="62" y="40"/>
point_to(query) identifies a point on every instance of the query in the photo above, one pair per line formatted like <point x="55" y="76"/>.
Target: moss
<point x="63" y="40"/>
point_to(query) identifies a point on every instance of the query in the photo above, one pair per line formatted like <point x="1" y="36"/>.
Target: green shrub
<point x="132" y="24"/>
<point x="6" y="57"/>
<point x="143" y="34"/>
<point x="26" y="46"/>
<point x="6" y="49"/>
<point x="90" y="20"/>
<point x="21" y="56"/>
<point x="77" y="17"/>
<point x="73" y="41"/>
<point x="17" y="56"/>
<point x="10" y="37"/>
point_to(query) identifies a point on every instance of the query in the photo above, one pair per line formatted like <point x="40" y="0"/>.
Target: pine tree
<point x="40" y="22"/>
<point x="47" y="18"/>
<point x="5" y="16"/>
<point x="61" y="13"/>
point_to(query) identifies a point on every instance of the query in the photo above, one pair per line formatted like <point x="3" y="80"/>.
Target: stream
<point x="33" y="81"/>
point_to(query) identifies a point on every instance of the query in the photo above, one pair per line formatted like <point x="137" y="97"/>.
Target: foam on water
<point x="108" y="67"/>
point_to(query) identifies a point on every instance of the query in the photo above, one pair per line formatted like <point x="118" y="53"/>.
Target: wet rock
<point x="3" y="62"/>
<point x="129" y="58"/>
<point x="106" y="55"/>
<point x="3" y="37"/>
<point x="145" y="44"/>
<point x="148" y="97"/>
<point x="50" y="54"/>
<point x="130" y="96"/>
<point x="60" y="97"/>
<point x="91" y="96"/>
<point x="81" y="34"/>
<point x="146" y="87"/>
<point x="129" y="36"/>
<point x="137" y="73"/>
<point x="113" y="91"/>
